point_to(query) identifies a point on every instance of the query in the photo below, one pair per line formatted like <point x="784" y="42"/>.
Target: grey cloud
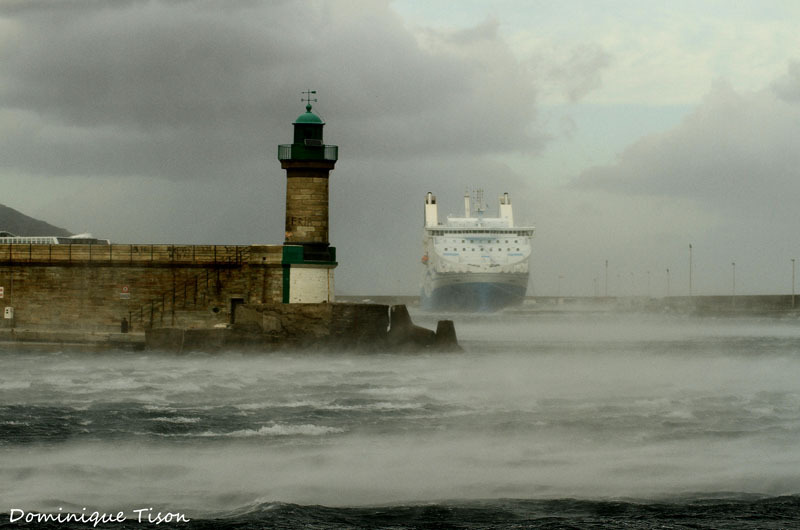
<point x="788" y="86"/>
<point x="187" y="90"/>
<point x="573" y="73"/>
<point x="734" y="152"/>
<point x="581" y="73"/>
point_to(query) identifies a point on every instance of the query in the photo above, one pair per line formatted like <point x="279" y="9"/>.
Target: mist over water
<point x="539" y="406"/>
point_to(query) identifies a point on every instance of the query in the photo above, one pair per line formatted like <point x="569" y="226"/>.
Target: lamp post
<point x="733" y="289"/>
<point x="667" y="282"/>
<point x="606" y="288"/>
<point x="690" y="270"/>
<point x="792" y="283"/>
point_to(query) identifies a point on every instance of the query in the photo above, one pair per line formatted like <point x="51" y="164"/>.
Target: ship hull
<point x="473" y="292"/>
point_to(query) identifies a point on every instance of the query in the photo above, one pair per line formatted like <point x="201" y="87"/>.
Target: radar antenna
<point x="480" y="207"/>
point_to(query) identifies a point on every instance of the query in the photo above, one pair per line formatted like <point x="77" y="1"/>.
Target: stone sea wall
<point x="95" y="287"/>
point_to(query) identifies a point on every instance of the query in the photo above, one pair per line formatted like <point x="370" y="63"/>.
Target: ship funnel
<point x="431" y="212"/>
<point x="505" y="209"/>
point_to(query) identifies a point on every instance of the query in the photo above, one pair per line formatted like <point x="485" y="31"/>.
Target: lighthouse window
<point x="515" y="241"/>
<point x="517" y="250"/>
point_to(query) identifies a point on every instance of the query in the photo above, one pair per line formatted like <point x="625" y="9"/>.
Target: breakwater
<point x="775" y="305"/>
<point x="188" y="297"/>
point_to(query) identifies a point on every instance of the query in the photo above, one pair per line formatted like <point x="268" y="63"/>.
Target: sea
<point x="562" y="419"/>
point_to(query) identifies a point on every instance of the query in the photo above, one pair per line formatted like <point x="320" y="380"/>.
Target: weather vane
<point x="308" y="98"/>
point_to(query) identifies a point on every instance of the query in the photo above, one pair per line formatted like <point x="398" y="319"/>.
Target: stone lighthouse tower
<point x="308" y="258"/>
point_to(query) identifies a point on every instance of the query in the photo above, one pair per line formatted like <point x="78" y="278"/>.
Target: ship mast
<point x="480" y="207"/>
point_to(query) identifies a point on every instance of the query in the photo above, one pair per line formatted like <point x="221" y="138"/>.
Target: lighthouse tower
<point x="308" y="258"/>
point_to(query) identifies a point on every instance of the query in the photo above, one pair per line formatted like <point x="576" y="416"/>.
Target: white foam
<point x="273" y="404"/>
<point x="177" y="419"/>
<point x="159" y="408"/>
<point x="15" y="385"/>
<point x="394" y="391"/>
<point x="383" y="405"/>
<point x="307" y="429"/>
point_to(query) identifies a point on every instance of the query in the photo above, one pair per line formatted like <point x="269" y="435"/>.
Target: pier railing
<point x="123" y="254"/>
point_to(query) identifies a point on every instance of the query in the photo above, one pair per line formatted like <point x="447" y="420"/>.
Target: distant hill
<point x="20" y="224"/>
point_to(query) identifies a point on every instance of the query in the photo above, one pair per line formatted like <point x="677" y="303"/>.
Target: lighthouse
<point x="308" y="257"/>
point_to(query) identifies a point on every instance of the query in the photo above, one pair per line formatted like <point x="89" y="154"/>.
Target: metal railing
<point x="125" y="254"/>
<point x="303" y="152"/>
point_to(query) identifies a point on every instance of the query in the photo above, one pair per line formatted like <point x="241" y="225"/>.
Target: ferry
<point x="475" y="262"/>
<point x="7" y="238"/>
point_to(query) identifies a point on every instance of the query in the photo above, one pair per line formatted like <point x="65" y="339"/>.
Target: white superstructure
<point x="475" y="262"/>
<point x="7" y="238"/>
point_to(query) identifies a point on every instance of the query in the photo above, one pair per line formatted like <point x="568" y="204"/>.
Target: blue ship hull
<point x="477" y="296"/>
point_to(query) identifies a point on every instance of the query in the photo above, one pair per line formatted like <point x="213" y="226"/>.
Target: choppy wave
<point x="723" y="512"/>
<point x="527" y="411"/>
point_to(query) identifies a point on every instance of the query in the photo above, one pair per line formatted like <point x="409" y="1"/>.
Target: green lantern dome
<point x="309" y="117"/>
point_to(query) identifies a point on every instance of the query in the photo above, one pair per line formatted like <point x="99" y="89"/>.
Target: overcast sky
<point x="624" y="130"/>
